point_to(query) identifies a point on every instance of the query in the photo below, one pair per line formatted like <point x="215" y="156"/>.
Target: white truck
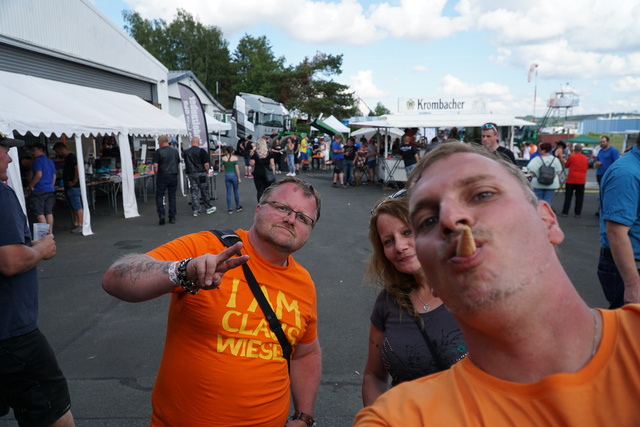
<point x="256" y="115"/>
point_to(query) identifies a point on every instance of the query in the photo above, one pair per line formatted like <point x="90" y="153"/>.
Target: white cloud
<point x="591" y="42"/>
<point x="626" y="84"/>
<point x="497" y="97"/>
<point x="420" y="69"/>
<point x="362" y="84"/>
<point x="342" y="22"/>
<point x="451" y="85"/>
<point x="559" y="60"/>
<point x="420" y="20"/>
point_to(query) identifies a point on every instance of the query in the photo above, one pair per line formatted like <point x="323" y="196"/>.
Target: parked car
<point x="591" y="155"/>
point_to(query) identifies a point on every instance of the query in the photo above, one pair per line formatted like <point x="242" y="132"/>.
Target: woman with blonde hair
<point x="264" y="167"/>
<point x="412" y="334"/>
<point x="231" y="178"/>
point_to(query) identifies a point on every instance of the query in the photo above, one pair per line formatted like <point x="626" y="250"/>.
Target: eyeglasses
<point x="488" y="126"/>
<point x="286" y="211"/>
<point x="396" y="195"/>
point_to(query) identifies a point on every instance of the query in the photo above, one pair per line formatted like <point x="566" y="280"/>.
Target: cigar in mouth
<point x="466" y="244"/>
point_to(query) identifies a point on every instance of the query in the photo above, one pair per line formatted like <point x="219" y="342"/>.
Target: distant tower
<point x="560" y="105"/>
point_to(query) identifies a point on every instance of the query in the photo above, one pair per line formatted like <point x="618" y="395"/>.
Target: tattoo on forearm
<point x="135" y="269"/>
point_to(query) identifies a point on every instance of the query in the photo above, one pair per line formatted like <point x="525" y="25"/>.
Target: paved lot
<point x="110" y="350"/>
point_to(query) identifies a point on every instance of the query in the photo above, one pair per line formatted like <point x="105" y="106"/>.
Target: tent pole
<point x="86" y="212"/>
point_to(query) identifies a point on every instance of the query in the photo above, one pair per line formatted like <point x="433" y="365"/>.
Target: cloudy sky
<point x="444" y="49"/>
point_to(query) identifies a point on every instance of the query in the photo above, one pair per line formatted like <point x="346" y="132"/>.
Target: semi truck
<point x="256" y="115"/>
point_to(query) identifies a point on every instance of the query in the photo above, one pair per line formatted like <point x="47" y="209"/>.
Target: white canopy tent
<point x="369" y="132"/>
<point x="334" y="124"/>
<point x="337" y="125"/>
<point x="408" y="121"/>
<point x="403" y="121"/>
<point x="213" y="124"/>
<point x="31" y="104"/>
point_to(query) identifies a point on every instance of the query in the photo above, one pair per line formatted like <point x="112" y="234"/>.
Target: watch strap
<point x="308" y="419"/>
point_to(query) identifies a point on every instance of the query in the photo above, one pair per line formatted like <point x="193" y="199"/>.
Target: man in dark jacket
<point x="196" y="162"/>
<point x="166" y="163"/>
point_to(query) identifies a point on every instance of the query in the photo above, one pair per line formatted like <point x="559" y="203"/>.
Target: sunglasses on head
<point x="487" y="126"/>
<point x="396" y="195"/>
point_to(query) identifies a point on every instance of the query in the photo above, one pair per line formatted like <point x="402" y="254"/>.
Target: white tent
<point x="36" y="105"/>
<point x="369" y="132"/>
<point x="213" y="124"/>
<point x="334" y="124"/>
<point x="404" y="121"/>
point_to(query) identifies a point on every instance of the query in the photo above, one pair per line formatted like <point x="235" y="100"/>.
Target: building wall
<point x="609" y="125"/>
<point x="175" y="103"/>
<point x="76" y="32"/>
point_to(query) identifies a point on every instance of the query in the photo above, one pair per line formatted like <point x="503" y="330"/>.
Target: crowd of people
<point x="461" y="333"/>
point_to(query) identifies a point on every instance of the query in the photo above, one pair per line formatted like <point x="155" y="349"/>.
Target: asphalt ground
<point x="109" y="350"/>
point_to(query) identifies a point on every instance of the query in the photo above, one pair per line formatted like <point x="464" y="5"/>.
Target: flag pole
<point x="535" y="94"/>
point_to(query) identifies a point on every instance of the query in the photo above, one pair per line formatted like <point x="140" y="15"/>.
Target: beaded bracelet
<point x="178" y="275"/>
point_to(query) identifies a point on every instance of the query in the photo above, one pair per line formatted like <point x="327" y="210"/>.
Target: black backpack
<point x="547" y="173"/>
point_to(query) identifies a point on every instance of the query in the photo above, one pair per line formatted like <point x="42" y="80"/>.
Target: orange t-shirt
<point x="221" y="364"/>
<point x="604" y="392"/>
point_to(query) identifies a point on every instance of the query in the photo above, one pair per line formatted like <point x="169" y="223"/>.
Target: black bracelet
<point x="181" y="273"/>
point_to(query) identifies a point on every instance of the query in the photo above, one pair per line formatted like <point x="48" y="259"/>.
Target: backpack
<point x="547" y="173"/>
<point x="240" y="148"/>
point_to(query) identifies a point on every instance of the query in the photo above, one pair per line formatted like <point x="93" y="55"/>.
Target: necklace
<point x="425" y="305"/>
<point x="596" y="341"/>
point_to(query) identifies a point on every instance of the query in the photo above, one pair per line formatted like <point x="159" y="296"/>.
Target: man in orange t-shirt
<point x="538" y="355"/>
<point x="578" y="165"/>
<point x="221" y="363"/>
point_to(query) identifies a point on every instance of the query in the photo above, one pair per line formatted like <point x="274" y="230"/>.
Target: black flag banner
<point x="194" y="115"/>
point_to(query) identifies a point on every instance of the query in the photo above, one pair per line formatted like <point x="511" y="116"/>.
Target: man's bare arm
<point x="139" y="277"/>
<point x="18" y="258"/>
<point x="622" y="252"/>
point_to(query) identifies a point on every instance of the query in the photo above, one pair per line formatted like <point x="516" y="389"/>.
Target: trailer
<point x="256" y="115"/>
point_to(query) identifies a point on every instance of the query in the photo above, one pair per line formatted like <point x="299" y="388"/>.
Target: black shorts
<point x="42" y="203"/>
<point x="338" y="165"/>
<point x="31" y="382"/>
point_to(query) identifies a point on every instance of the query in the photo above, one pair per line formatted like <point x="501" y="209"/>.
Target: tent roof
<point x="403" y="121"/>
<point x="32" y="104"/>
<point x="213" y="124"/>
<point x="324" y="127"/>
<point x="583" y="139"/>
<point x="336" y="124"/>
<point x="369" y="132"/>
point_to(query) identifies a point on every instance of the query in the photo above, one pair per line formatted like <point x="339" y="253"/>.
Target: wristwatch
<point x="308" y="419"/>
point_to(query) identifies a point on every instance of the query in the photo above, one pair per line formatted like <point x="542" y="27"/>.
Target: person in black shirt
<point x="165" y="166"/>
<point x="350" y="156"/>
<point x="196" y="162"/>
<point x="409" y="154"/>
<point x="490" y="142"/>
<point x="277" y="149"/>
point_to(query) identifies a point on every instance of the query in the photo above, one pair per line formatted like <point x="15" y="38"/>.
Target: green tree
<point x="380" y="110"/>
<point x="186" y="44"/>
<point x="256" y="67"/>
<point x="308" y="89"/>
